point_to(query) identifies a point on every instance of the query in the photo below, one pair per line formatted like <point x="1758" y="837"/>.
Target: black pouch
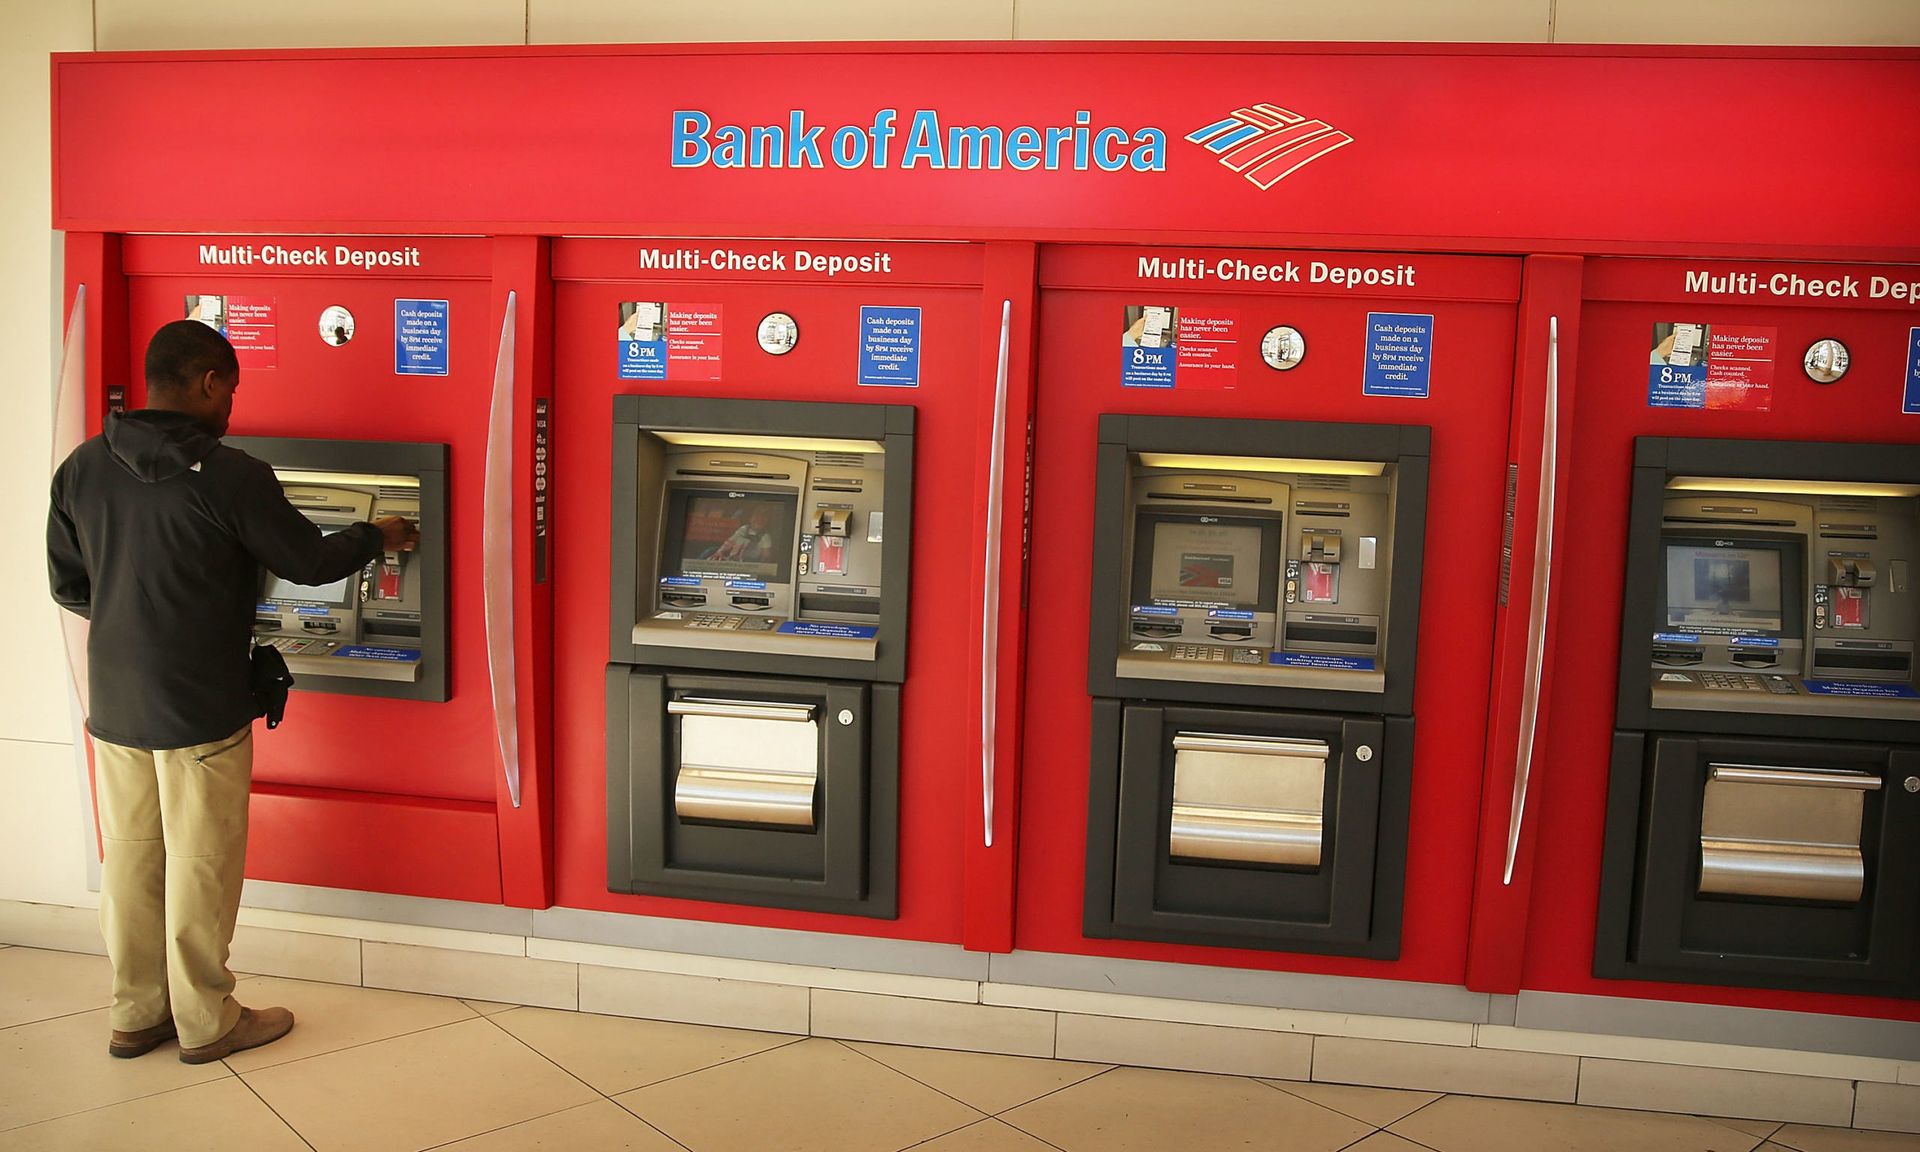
<point x="270" y="683"/>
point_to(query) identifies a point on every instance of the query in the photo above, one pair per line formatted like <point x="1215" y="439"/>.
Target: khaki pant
<point x="174" y="824"/>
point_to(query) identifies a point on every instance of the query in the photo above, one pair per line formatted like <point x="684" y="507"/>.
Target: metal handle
<point x="69" y="430"/>
<point x="990" y="609"/>
<point x="496" y="558"/>
<point x="741" y="709"/>
<point x="1248" y="745"/>
<point x="1542" y="583"/>
<point x="1796" y="777"/>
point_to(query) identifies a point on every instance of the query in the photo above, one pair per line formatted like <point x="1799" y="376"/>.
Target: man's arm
<point x="66" y="567"/>
<point x="290" y="545"/>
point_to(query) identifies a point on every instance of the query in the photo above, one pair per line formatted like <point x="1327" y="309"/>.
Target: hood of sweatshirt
<point x="155" y="444"/>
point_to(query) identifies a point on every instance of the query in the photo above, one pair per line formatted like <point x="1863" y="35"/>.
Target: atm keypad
<point x="1731" y="682"/>
<point x="1198" y="652"/>
<point x="713" y="620"/>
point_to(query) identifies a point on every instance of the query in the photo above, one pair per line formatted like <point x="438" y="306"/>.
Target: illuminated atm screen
<point x="1209" y="560"/>
<point x="716" y="532"/>
<point x="1726" y="586"/>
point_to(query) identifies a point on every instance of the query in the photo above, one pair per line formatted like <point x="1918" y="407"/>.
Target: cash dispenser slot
<point x="746" y="762"/>
<point x="1248" y="799"/>
<point x="683" y="597"/>
<point x="1785" y="833"/>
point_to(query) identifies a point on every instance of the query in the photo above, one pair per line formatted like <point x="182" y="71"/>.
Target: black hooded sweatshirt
<point x="156" y="534"/>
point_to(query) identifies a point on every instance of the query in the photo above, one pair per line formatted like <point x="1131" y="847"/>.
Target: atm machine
<point x="383" y="630"/>
<point x="1255" y="599"/>
<point x="759" y="610"/>
<point x="1766" y="758"/>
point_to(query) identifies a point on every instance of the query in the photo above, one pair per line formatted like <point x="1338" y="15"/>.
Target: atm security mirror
<point x="1258" y="570"/>
<point x="379" y="631"/>
<point x="1792" y="597"/>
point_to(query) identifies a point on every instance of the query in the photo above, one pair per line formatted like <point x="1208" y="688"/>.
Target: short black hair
<point x="186" y="350"/>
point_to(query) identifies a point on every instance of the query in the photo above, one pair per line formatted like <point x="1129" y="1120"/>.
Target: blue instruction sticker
<point x="837" y="631"/>
<point x="1755" y="641"/>
<point x="420" y="337"/>
<point x="362" y="652"/>
<point x="746" y="585"/>
<point x="1154" y="610"/>
<point x="681" y="581"/>
<point x="1322" y="660"/>
<point x="1229" y="614"/>
<point x="889" y="346"/>
<point x="1399" y="354"/>
<point x="1147" y="367"/>
<point x="1910" y="396"/>
<point x="1676" y="637"/>
<point x="1861" y="688"/>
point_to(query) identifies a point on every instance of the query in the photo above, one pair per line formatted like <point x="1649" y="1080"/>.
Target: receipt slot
<point x="1256" y="587"/>
<point x="380" y="631"/>
<point x="759" y="584"/>
<point x="1762" y="810"/>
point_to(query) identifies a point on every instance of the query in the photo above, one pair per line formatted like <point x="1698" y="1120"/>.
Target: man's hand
<point x="397" y="533"/>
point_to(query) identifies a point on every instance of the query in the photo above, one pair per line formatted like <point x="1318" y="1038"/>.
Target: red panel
<point x="1610" y="411"/>
<point x="939" y="762"/>
<point x="1079" y="378"/>
<point x="1445" y="152"/>
<point x="442" y="849"/>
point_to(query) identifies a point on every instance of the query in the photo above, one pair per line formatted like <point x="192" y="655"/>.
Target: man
<point x="156" y="534"/>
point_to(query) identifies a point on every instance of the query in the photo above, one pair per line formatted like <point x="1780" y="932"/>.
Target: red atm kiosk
<point x="374" y="377"/>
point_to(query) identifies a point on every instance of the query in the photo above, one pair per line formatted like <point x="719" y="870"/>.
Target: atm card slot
<point x="1678" y="657"/>
<point x="321" y="625"/>
<point x="751" y="601"/>
<point x="1755" y="657"/>
<point x="1231" y="630"/>
<point x="688" y="599"/>
<point x="1154" y="626"/>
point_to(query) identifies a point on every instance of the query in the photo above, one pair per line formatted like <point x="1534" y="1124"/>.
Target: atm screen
<point x="721" y="533"/>
<point x="1724" y="588"/>
<point x="336" y="593"/>
<point x="1206" y="560"/>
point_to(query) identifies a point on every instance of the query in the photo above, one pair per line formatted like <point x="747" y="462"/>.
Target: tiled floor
<point x="368" y="1069"/>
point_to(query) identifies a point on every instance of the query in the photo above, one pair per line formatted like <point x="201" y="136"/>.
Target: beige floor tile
<point x="601" y="1126"/>
<point x="1376" y="1106"/>
<point x="813" y="1096"/>
<point x="987" y="1082"/>
<point x="1760" y="1129"/>
<point x="1812" y="1138"/>
<point x="1386" y="1142"/>
<point x="1720" y="1091"/>
<point x="1475" y="1124"/>
<point x="299" y="955"/>
<point x="451" y="972"/>
<point x="1445" y="1068"/>
<point x="329" y="1017"/>
<point x="39" y="985"/>
<point x="618" y="1054"/>
<point x="417" y="1091"/>
<point x="488" y="1007"/>
<point x="986" y="1136"/>
<point x="1186" y="1047"/>
<point x="932" y="1023"/>
<point x="58" y="1067"/>
<point x="220" y="1116"/>
<point x="1149" y="1110"/>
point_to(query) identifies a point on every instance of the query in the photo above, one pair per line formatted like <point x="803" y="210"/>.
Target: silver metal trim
<point x="1797" y="777"/>
<point x="741" y="709"/>
<point x="1542" y="584"/>
<point x="496" y="557"/>
<point x="990" y="608"/>
<point x="1250" y="745"/>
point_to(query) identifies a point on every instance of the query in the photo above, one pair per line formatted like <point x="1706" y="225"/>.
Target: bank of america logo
<point x="1266" y="143"/>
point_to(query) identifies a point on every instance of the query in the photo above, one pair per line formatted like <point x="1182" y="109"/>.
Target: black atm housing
<point x="780" y="649"/>
<point x="1206" y="678"/>
<point x="417" y="624"/>
<point x="1731" y="708"/>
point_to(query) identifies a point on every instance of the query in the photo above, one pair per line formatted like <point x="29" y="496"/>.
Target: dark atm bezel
<point x="1658" y="459"/>
<point x="429" y="463"/>
<point x="1405" y="446"/>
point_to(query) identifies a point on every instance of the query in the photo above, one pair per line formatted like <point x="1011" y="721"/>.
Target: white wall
<point x="42" y="816"/>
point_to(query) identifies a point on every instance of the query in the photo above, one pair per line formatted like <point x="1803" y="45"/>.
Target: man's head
<point x="192" y="369"/>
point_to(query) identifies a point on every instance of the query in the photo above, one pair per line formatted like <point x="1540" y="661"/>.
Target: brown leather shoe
<point x="255" y="1027"/>
<point x="127" y="1045"/>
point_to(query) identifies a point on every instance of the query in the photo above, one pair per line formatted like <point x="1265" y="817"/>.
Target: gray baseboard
<point x="352" y="905"/>
<point x="1719" y="1024"/>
